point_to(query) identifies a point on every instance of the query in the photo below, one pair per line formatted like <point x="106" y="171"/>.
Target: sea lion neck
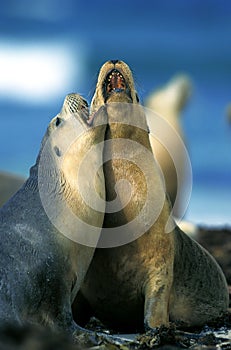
<point x="32" y="183"/>
<point x="126" y="120"/>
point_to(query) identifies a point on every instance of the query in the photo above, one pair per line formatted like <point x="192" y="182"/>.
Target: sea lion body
<point x="135" y="285"/>
<point x="41" y="268"/>
<point x="228" y="113"/>
<point x="168" y="102"/>
<point x="158" y="277"/>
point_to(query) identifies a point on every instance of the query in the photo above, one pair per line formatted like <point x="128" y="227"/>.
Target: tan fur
<point x="159" y="276"/>
<point x="43" y="263"/>
<point x="75" y="155"/>
<point x="168" y="102"/>
<point x="228" y="113"/>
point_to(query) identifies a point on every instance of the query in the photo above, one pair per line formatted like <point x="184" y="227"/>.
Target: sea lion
<point x="228" y="113"/>
<point x="159" y="276"/>
<point x="9" y="185"/>
<point x="168" y="102"/>
<point x="41" y="267"/>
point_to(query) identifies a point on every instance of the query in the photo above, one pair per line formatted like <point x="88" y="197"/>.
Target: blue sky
<point x="49" y="48"/>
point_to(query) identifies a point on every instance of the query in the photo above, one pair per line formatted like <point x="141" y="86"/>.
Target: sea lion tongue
<point x="115" y="84"/>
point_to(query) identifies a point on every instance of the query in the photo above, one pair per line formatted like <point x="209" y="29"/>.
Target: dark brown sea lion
<point x="157" y="277"/>
<point x="41" y="268"/>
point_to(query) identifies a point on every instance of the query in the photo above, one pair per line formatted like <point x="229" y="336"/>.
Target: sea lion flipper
<point x="157" y="291"/>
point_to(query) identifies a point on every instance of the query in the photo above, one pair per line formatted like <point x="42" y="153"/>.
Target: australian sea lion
<point x="159" y="276"/>
<point x="168" y="102"/>
<point x="41" y="268"/>
<point x="228" y="113"/>
<point x="9" y="185"/>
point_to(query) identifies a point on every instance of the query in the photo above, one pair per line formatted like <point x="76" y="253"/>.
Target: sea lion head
<point x="115" y="92"/>
<point x="115" y="84"/>
<point x="74" y="118"/>
<point x="73" y="105"/>
<point x="72" y="149"/>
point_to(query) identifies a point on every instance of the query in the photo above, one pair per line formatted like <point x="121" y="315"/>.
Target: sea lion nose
<point x="114" y="61"/>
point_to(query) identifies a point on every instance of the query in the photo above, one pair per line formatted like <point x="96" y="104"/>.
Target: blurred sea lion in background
<point x="41" y="267"/>
<point x="9" y="185"/>
<point x="159" y="276"/>
<point x="228" y="113"/>
<point x="169" y="102"/>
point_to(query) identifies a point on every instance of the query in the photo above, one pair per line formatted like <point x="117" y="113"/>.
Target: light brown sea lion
<point x="41" y="267"/>
<point x="9" y="185"/>
<point x="228" y="113"/>
<point x="168" y="102"/>
<point x="158" y="277"/>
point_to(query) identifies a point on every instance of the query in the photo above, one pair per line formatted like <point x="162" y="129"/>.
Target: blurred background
<point x="49" y="48"/>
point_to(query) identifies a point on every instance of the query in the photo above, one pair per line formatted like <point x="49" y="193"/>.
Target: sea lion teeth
<point x="105" y="92"/>
<point x="114" y="82"/>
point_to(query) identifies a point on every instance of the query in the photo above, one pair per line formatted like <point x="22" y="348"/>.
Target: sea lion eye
<point x="58" y="121"/>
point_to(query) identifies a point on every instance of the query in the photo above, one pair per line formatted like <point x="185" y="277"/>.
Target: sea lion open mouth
<point x="115" y="83"/>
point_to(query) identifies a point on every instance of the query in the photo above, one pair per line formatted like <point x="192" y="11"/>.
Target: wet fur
<point x="41" y="269"/>
<point x="159" y="277"/>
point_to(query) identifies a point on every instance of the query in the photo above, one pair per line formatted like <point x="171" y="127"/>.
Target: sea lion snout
<point x="115" y="84"/>
<point x="75" y="104"/>
<point x="114" y="61"/>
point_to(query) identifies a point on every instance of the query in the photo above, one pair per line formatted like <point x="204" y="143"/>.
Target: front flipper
<point x="156" y="307"/>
